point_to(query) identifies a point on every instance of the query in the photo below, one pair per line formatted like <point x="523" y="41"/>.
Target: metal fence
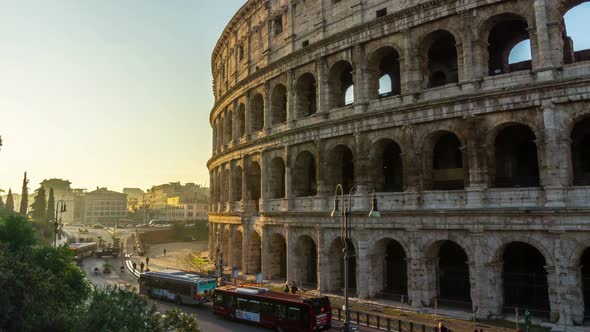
<point x="381" y="322"/>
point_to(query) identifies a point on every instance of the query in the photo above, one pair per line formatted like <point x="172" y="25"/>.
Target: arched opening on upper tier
<point x="516" y="162"/>
<point x="241" y="121"/>
<point x="440" y="57"/>
<point x="384" y="73"/>
<point x="580" y="149"/>
<point x="305" y="174"/>
<point x="576" y="40"/>
<point x="305" y="95"/>
<point x="276" y="181"/>
<point x="388" y="172"/>
<point x="256" y="113"/>
<point x="447" y="164"/>
<point x="278" y="111"/>
<point x="237" y="184"/>
<point x="508" y="45"/>
<point x="340" y="84"/>
<point x="341" y="167"/>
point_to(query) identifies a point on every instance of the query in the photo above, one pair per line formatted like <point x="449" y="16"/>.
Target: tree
<point x="10" y="201"/>
<point x="24" y="201"/>
<point x="16" y="232"/>
<point x="39" y="207"/>
<point x="1" y="201"/>
<point x="50" y="205"/>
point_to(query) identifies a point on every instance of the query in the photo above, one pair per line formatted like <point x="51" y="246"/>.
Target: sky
<point x="115" y="93"/>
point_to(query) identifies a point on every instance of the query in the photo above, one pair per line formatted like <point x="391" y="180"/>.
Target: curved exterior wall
<point x="463" y="130"/>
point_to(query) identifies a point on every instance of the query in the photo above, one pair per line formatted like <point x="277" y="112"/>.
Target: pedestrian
<point x="141" y="266"/>
<point x="441" y="327"/>
<point x="294" y="288"/>
<point x="164" y="251"/>
<point x="134" y="266"/>
<point x="147" y="260"/>
<point x="286" y="289"/>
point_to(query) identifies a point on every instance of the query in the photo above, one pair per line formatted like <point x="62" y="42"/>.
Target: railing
<point x="514" y="197"/>
<point x="381" y="322"/>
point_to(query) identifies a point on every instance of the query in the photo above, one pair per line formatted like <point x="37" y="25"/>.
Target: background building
<point x="174" y="201"/>
<point x="104" y="207"/>
<point x="480" y="164"/>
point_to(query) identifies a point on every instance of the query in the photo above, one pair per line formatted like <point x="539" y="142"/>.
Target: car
<point x="98" y="226"/>
<point x="140" y="225"/>
<point x="130" y="225"/>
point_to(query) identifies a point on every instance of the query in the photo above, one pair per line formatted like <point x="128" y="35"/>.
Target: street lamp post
<point x="345" y="213"/>
<point x="60" y="208"/>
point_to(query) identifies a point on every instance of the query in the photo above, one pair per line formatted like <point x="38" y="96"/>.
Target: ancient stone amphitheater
<point x="480" y="165"/>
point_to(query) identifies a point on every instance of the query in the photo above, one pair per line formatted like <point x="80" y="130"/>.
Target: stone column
<point x="231" y="194"/>
<point x="290" y="241"/>
<point x="245" y="196"/>
<point x="211" y="244"/>
<point x="264" y="253"/>
<point x="248" y="113"/>
<point x="323" y="188"/>
<point x="288" y="177"/>
<point x="476" y="161"/>
<point x="234" y="122"/>
<point x="290" y="98"/>
<point x="222" y="180"/>
<point x="554" y="169"/>
<point x="359" y="66"/>
<point x="362" y="166"/>
<point x="267" y="107"/>
<point x="323" y="260"/>
<point x="228" y="256"/>
<point x="245" y="247"/>
<point x="264" y="170"/>
<point x="323" y="91"/>
<point x="486" y="280"/>
<point x="544" y="71"/>
<point x="411" y="80"/>
<point x="362" y="280"/>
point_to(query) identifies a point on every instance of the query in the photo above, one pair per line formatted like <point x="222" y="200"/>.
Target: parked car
<point x="98" y="226"/>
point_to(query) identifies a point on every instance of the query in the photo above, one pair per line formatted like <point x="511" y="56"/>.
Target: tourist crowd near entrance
<point x="480" y="164"/>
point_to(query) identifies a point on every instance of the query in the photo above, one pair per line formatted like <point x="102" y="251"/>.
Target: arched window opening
<point x="525" y="279"/>
<point x="277" y="178"/>
<point x="241" y="121"/>
<point x="448" y="173"/>
<point x="442" y="59"/>
<point x="254" y="182"/>
<point x="517" y="164"/>
<point x="336" y="266"/>
<point x="453" y="275"/>
<point x="257" y="113"/>
<point x="228" y="127"/>
<point x="576" y="39"/>
<point x="306" y="98"/>
<point x="384" y="73"/>
<point x="305" y="175"/>
<point x="341" y="166"/>
<point x="279" y="105"/>
<point x="277" y="263"/>
<point x="388" y="166"/>
<point x="236" y="255"/>
<point x="306" y="261"/>
<point x="225" y="184"/>
<point x="509" y="45"/>
<point x="388" y="265"/>
<point x="254" y="254"/>
<point x="237" y="184"/>
<point x="580" y="150"/>
<point x="217" y="189"/>
<point x="585" y="264"/>
<point x="341" y="84"/>
<point x="225" y="248"/>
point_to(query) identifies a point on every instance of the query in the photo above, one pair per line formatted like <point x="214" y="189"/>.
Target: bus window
<point x="254" y="306"/>
<point x="294" y="313"/>
<point x="219" y="299"/>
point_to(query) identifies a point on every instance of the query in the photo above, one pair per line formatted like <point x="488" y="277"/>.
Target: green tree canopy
<point x="24" y="200"/>
<point x="51" y="205"/>
<point x="10" y="201"/>
<point x="39" y="207"/>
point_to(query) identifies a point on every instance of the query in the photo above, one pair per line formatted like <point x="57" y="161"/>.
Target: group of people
<point x="293" y="289"/>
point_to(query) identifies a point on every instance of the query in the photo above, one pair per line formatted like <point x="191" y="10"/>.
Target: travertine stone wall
<point x="465" y="152"/>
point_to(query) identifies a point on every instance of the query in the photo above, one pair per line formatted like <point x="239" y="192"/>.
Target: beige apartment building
<point x="103" y="206"/>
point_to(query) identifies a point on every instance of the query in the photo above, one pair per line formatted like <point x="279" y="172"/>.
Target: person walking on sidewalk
<point x="147" y="260"/>
<point x="286" y="288"/>
<point x="164" y="251"/>
<point x="294" y="288"/>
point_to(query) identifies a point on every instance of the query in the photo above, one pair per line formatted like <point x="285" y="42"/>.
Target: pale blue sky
<point x="111" y="93"/>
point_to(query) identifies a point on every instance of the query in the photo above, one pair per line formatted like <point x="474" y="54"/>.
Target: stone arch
<point x="384" y="75"/>
<point x="580" y="152"/>
<point x="225" y="238"/>
<point x="439" y="53"/>
<point x="336" y="266"/>
<point x="217" y="189"/>
<point x="256" y="113"/>
<point x="516" y="162"/>
<point x="278" y="109"/>
<point x="341" y="167"/>
<point x="451" y="266"/>
<point x="237" y="183"/>
<point x="388" y="172"/>
<point x="306" y="95"/>
<point x="236" y="254"/>
<point x="254" y="253"/>
<point x="276" y="181"/>
<point x="389" y="269"/>
<point x="571" y="51"/>
<point x="447" y="162"/>
<point x="505" y="31"/>
<point x="241" y="121"/>
<point x="340" y="79"/>
<point x="524" y="278"/>
<point x="228" y="127"/>
<point x="277" y="257"/>
<point x="306" y="260"/>
<point x="305" y="174"/>
<point x="225" y="184"/>
<point x="254" y="181"/>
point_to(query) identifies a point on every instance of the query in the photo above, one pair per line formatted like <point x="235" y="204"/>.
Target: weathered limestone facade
<point x="481" y="167"/>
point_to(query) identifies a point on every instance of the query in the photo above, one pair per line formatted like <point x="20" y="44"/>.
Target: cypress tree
<point x="24" y="201"/>
<point x="50" y="205"/>
<point x="10" y="201"/>
<point x="1" y="201"/>
<point x="39" y="207"/>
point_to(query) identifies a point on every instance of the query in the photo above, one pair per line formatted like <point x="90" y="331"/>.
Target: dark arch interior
<point x="447" y="163"/>
<point x="237" y="250"/>
<point x="278" y="260"/>
<point x="340" y="79"/>
<point x="307" y="253"/>
<point x="279" y="105"/>
<point x="305" y="173"/>
<point x="388" y="167"/>
<point x="585" y="262"/>
<point x="442" y="59"/>
<point x="257" y="113"/>
<point x="306" y="95"/>
<point x="237" y="185"/>
<point x="396" y="274"/>
<point x="241" y="125"/>
<point x="228" y="127"/>
<point x="453" y="275"/>
<point x="385" y="75"/>
<point x="506" y="34"/>
<point x="277" y="178"/>
<point x="581" y="152"/>
<point x="254" y="254"/>
<point x="517" y="164"/>
<point x="337" y="263"/>
<point x="254" y="182"/>
<point x="525" y="279"/>
<point x="342" y="167"/>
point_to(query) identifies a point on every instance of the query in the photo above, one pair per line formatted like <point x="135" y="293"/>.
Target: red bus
<point x="279" y="311"/>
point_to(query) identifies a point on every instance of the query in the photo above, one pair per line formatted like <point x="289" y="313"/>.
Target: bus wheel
<point x="232" y="317"/>
<point x="280" y="329"/>
<point x="178" y="300"/>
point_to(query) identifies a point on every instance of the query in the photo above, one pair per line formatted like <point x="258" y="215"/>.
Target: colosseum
<point x="480" y="165"/>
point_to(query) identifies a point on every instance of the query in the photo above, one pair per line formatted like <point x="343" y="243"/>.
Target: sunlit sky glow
<point x="115" y="93"/>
